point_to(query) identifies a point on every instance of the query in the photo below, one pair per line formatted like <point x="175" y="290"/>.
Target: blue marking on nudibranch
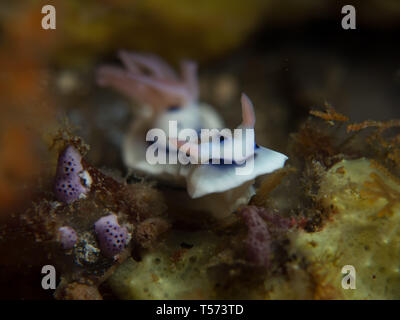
<point x="173" y="108"/>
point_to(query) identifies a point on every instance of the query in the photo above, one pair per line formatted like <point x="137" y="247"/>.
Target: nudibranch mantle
<point x="210" y="178"/>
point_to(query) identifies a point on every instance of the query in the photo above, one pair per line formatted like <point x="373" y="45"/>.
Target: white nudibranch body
<point x="233" y="181"/>
<point x="222" y="166"/>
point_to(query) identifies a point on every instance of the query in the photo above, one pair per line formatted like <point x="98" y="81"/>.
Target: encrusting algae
<point x="360" y="234"/>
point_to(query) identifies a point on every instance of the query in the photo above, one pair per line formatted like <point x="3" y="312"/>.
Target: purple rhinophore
<point x="67" y="237"/>
<point x="68" y="185"/>
<point x="112" y="237"/>
<point x="258" y="240"/>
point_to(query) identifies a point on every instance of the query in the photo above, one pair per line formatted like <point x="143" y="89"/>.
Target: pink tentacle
<point x="174" y="89"/>
<point x="248" y="116"/>
<point x="149" y="80"/>
<point x="128" y="62"/>
<point x="189" y="75"/>
<point x="118" y="79"/>
<point x="151" y="63"/>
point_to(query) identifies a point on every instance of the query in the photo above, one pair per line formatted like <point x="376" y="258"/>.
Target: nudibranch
<point x="163" y="95"/>
<point x="228" y="182"/>
<point x="218" y="183"/>
<point x="210" y="178"/>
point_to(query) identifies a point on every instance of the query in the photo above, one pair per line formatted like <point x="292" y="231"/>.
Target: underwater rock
<point x="364" y="233"/>
<point x="78" y="291"/>
<point x="169" y="271"/>
<point x="148" y="231"/>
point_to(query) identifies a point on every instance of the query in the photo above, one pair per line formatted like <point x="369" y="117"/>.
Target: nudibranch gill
<point x="161" y="96"/>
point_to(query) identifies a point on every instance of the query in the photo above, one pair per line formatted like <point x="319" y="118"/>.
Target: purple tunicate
<point x="68" y="185"/>
<point x="67" y="237"/>
<point x="112" y="237"/>
<point x="258" y="239"/>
